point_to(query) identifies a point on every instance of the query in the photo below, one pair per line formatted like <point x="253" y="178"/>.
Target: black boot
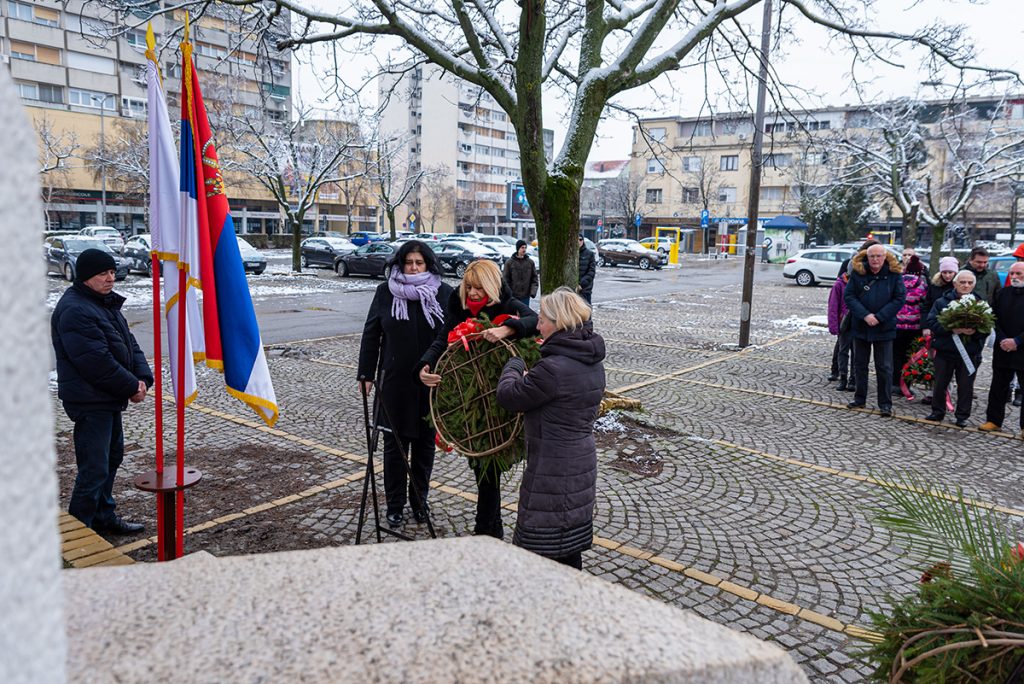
<point x="842" y="386"/>
<point x="1017" y="397"/>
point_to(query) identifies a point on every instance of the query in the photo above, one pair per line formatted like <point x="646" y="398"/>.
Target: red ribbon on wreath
<point x="920" y="354"/>
<point x="463" y="330"/>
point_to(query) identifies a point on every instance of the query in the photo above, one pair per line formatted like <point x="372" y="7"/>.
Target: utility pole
<point x="755" y="179"/>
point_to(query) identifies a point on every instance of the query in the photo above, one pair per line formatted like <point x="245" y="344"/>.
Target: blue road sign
<point x="637" y="220"/>
<point x="704" y="218"/>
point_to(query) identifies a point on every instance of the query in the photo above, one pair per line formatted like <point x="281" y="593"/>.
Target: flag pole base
<point x="166" y="488"/>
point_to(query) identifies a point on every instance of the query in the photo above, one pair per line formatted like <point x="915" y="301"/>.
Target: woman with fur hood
<point x="874" y="295"/>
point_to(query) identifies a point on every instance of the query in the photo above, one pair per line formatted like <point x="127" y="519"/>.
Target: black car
<point x="324" y="251"/>
<point x="456" y="255"/>
<point x="61" y="253"/>
<point x="137" y="253"/>
<point x="369" y="259"/>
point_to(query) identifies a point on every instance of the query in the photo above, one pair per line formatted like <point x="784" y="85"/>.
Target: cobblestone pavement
<point x="759" y="517"/>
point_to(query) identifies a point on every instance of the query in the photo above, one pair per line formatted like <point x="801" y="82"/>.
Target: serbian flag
<point x="232" y="335"/>
<point x="165" y="228"/>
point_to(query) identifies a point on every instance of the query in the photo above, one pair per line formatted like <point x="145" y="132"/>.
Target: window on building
<point x="818" y="125"/>
<point x="500" y="116"/>
<point x="277" y="92"/>
<point x="46" y="16"/>
<point x="41" y="92"/>
<point x="773" y="193"/>
<point x="463" y="184"/>
<point x="691" y="195"/>
<point x="134" y="107"/>
<point x="726" y="194"/>
<point x="779" y="127"/>
<point x="483" y="150"/>
<point x="209" y="50"/>
<point x="702" y="129"/>
<point x="813" y="158"/>
<point x="729" y="162"/>
<point x="137" y="39"/>
<point x="20" y="50"/>
<point x="172" y="69"/>
<point x="653" y="195"/>
<point x="463" y="147"/>
<point x="655" y="165"/>
<point x="729" y="126"/>
<point x="91" y="98"/>
<point x="692" y="163"/>
<point x="778" y="160"/>
<point x="93" y="63"/>
<point x="497" y="152"/>
<point x="656" y="134"/>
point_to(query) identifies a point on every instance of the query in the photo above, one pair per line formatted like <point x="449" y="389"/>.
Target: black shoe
<point x="421" y="514"/>
<point x="885" y="413"/>
<point x="1017" y="396"/>
<point x="395" y="520"/>
<point x="851" y="387"/>
<point x="118" y="526"/>
<point x="935" y="417"/>
<point x="833" y="377"/>
<point x="842" y="383"/>
<point x="855" y="404"/>
<point x="961" y="422"/>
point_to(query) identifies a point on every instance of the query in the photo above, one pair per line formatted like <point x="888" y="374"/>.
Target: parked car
<point x="621" y="251"/>
<point x="1001" y="265"/>
<point x="324" y="251"/>
<point x="369" y="259"/>
<point x="61" y="253"/>
<point x="137" y="252"/>
<point x="362" y="237"/>
<point x="456" y="255"/>
<point x="662" y="243"/>
<point x="499" y="245"/>
<point x="808" y="266"/>
<point x="430" y="237"/>
<point x="108" y="234"/>
<point x="252" y="260"/>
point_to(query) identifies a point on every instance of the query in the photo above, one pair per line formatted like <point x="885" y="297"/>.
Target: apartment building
<point x="686" y="166"/>
<point x="454" y="126"/>
<point x="84" y="86"/>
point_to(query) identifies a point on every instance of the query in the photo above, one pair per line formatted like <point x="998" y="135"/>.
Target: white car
<point x="110" y="235"/>
<point x="809" y="266"/>
<point x="498" y="244"/>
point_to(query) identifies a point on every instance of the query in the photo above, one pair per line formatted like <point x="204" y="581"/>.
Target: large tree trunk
<point x="910" y="235"/>
<point x="938" y="233"/>
<point x="296" y="223"/>
<point x="558" y="224"/>
<point x="391" y="222"/>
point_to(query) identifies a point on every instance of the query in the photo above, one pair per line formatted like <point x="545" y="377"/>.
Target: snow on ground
<point x="610" y="422"/>
<point x="811" y="323"/>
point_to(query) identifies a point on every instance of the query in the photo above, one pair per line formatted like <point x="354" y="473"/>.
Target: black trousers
<point x="99" y="450"/>
<point x="945" y="368"/>
<point x="901" y="349"/>
<point x="573" y="560"/>
<point x="862" y="351"/>
<point x="421" y="464"/>
<point x="488" y="502"/>
<point x="1001" y="379"/>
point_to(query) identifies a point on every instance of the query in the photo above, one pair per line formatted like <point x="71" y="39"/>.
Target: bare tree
<point x="355" y="184"/>
<point x="704" y="177"/>
<point x="55" y="151"/>
<point x="436" y="196"/>
<point x="395" y="175"/>
<point x="292" y="161"/>
<point x="124" y="160"/>
<point x="624" y="192"/>
<point x="591" y="52"/>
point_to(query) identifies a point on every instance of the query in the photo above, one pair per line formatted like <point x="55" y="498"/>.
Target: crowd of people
<point x="889" y="309"/>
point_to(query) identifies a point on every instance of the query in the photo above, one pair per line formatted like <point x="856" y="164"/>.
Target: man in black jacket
<point x="588" y="270"/>
<point x="520" y="274"/>
<point x="100" y="368"/>
<point x="1008" y="353"/>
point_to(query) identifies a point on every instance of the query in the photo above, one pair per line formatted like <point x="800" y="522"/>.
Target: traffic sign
<point x="704" y="218"/>
<point x="637" y="220"/>
<point x="600" y="222"/>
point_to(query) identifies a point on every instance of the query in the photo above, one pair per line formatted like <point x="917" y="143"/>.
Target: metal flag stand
<point x="373" y="435"/>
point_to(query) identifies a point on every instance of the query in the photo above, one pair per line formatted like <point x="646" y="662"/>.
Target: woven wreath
<point x="464" y="407"/>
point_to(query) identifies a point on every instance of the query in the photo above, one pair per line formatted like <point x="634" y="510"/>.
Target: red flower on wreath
<point x="462" y="330"/>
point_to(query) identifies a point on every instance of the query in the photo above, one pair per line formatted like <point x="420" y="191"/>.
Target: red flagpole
<point x="180" y="405"/>
<point x="158" y="396"/>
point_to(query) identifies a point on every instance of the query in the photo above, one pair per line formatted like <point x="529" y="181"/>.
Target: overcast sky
<point x="804" y="58"/>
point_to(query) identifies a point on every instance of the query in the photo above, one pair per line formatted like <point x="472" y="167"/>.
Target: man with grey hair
<point x="874" y="295"/>
<point x="957" y="352"/>
<point x="1008" y="353"/>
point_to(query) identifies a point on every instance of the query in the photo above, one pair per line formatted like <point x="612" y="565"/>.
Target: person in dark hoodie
<point x="1008" y="353"/>
<point x="100" y="368"/>
<point x="560" y="396"/>
<point x="520" y="273"/>
<point x="587" y="271"/>
<point x="948" y="359"/>
<point x="481" y="292"/>
<point x="874" y="296"/>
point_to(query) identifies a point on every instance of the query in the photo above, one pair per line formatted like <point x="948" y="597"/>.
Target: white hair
<point x="966" y="272"/>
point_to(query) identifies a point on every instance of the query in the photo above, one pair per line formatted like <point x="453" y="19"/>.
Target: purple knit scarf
<point x="421" y="287"/>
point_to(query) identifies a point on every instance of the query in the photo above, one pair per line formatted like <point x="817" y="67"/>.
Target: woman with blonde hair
<point x="560" y="397"/>
<point x="482" y="292"/>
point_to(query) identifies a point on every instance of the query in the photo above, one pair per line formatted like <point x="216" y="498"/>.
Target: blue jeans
<point x="99" y="450"/>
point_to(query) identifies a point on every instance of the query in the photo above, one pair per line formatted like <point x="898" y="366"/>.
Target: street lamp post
<point x="103" y="154"/>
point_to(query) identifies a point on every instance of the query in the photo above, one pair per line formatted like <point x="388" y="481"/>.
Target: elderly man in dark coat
<point x="874" y="295"/>
<point x="100" y="368"/>
<point x="560" y="396"/>
<point x="1008" y="353"/>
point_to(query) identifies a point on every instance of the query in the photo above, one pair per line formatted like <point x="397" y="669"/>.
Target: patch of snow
<point x="797" y="323"/>
<point x="53" y="381"/>
<point x="610" y="422"/>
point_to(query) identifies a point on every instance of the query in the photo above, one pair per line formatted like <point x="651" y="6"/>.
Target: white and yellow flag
<point x="173" y="251"/>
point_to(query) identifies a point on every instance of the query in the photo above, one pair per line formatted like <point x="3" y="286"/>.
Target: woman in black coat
<point x="560" y="396"/>
<point x="481" y="292"/>
<point x="404" y="319"/>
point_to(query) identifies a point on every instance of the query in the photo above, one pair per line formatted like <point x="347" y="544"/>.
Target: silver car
<point x="810" y="266"/>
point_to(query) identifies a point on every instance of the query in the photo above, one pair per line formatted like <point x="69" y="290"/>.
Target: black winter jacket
<point x="942" y="339"/>
<point x="935" y="293"/>
<point x="588" y="270"/>
<point x="521" y="276"/>
<point x="881" y="294"/>
<point x="391" y="349"/>
<point x="99" y="363"/>
<point x="455" y="313"/>
<point x="560" y="397"/>
<point x="1009" y="312"/>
